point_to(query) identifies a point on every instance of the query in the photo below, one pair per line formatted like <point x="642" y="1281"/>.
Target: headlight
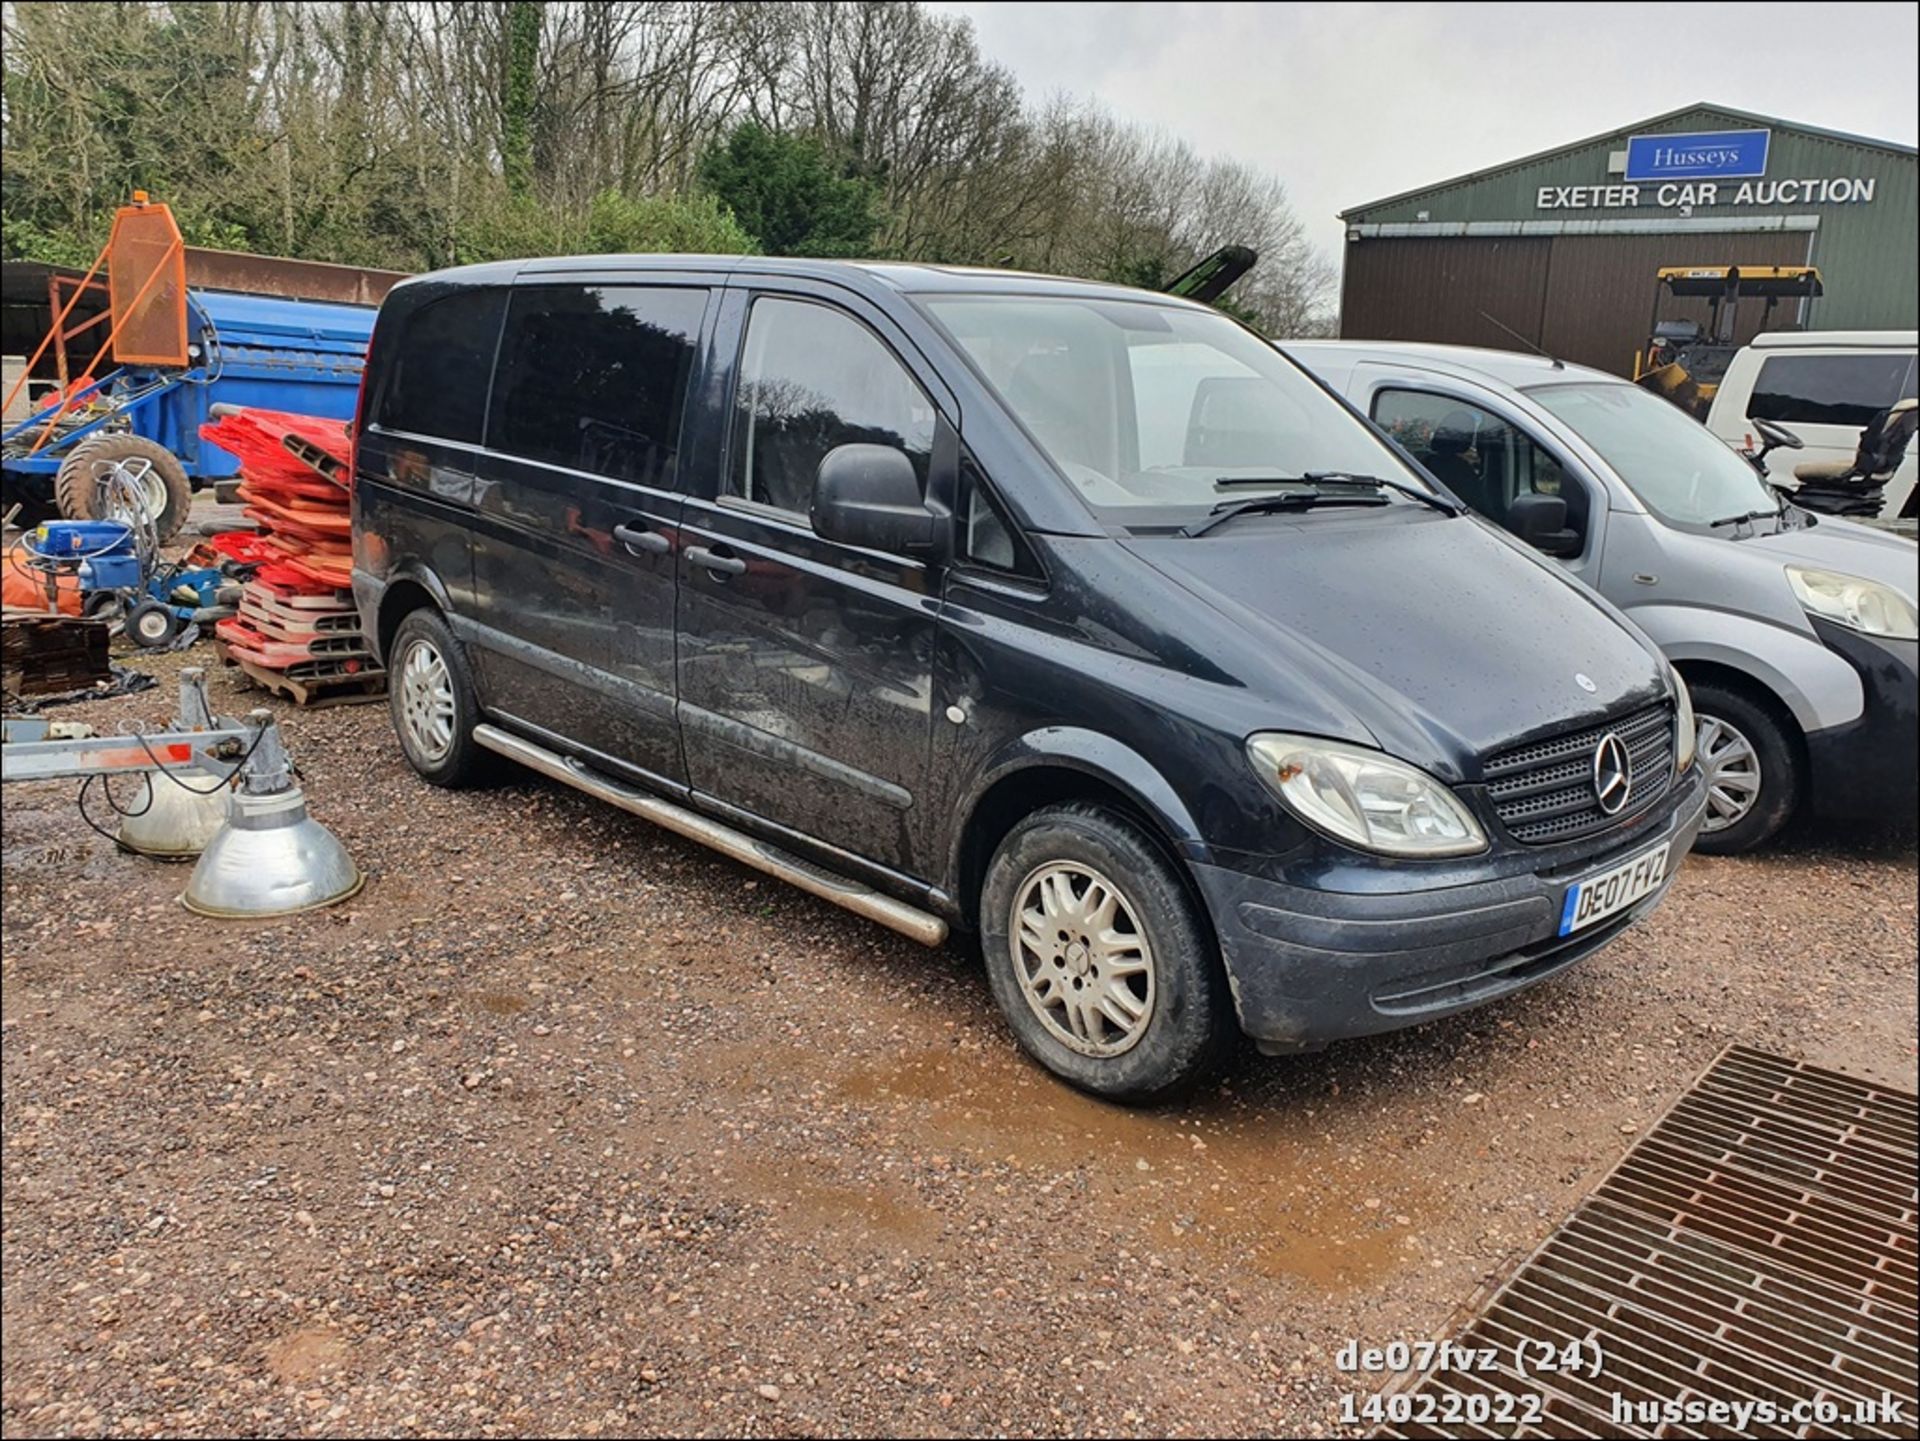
<point x="1365" y="798"/>
<point x="1686" y="730"/>
<point x="1863" y="605"/>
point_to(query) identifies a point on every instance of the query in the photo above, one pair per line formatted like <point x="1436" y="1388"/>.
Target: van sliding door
<point x="578" y="504"/>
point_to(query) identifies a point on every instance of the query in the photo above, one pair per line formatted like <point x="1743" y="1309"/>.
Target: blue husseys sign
<point x="1717" y="154"/>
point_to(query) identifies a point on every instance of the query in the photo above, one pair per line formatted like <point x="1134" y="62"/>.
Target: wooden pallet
<point x="314" y="693"/>
<point x="52" y="654"/>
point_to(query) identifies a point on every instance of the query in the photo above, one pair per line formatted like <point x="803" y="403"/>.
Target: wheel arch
<point x="407" y="590"/>
<point x="1791" y="667"/>
<point x="1756" y="690"/>
<point x="1753" y="687"/>
<point x="1061" y="765"/>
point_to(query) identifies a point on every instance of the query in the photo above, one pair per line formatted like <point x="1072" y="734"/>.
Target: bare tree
<point x="415" y="133"/>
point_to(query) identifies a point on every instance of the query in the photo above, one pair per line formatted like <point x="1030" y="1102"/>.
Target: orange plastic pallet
<point x="262" y="650"/>
<point x="295" y="588"/>
<point x="276" y="627"/>
<point x="308" y="488"/>
<point x="327" y="572"/>
<point x="272" y="510"/>
<point x="310" y="601"/>
<point x="297" y="548"/>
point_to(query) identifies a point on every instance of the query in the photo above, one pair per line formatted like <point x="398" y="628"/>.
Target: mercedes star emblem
<point x="1612" y="774"/>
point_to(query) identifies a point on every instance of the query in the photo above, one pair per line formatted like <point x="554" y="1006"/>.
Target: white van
<point x="1824" y="386"/>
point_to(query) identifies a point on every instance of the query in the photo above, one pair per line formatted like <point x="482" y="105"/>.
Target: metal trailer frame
<point x="267" y="858"/>
<point x="194" y="744"/>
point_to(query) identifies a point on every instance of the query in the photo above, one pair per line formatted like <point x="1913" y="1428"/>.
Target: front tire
<point x="1752" y="768"/>
<point x="1098" y="957"/>
<point x="431" y="698"/>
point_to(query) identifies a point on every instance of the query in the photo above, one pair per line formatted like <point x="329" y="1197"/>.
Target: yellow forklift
<point x="1684" y="360"/>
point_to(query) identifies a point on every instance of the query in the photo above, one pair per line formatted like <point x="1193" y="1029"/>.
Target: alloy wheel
<point x="426" y="701"/>
<point x="1083" y="963"/>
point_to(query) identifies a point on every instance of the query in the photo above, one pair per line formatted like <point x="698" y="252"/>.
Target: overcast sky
<point x="1348" y="103"/>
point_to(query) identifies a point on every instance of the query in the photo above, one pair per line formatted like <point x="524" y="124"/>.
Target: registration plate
<point x="1612" y="891"/>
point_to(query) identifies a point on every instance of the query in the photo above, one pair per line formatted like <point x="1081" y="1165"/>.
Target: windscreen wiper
<point x="1749" y="518"/>
<point x="1269" y="504"/>
<point x="1344" y="477"/>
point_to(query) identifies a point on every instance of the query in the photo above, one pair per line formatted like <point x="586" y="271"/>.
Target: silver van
<point x="1796" y="632"/>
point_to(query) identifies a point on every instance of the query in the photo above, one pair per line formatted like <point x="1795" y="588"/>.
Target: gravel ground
<point x="565" y="1126"/>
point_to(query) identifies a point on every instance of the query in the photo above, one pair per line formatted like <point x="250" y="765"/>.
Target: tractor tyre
<point x="166" y="493"/>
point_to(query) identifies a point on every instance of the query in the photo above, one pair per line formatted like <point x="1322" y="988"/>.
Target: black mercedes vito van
<point x="1075" y="616"/>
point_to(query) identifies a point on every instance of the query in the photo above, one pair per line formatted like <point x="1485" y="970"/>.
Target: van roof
<point x="1509" y="367"/>
<point x="1862" y="339"/>
<point x="857" y="274"/>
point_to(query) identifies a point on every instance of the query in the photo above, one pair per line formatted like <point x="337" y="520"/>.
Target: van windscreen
<point x="1155" y="412"/>
<point x="1678" y="468"/>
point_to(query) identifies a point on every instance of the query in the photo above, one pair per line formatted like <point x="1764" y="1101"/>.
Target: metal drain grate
<point x="1755" y="1248"/>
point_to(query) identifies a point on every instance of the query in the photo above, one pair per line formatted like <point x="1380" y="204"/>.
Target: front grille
<point x="1543" y="791"/>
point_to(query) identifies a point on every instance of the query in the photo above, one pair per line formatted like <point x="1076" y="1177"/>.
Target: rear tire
<point x="1752" y="766"/>
<point x="77" y="489"/>
<point x="431" y="697"/>
<point x="104" y="605"/>
<point x="1098" y="957"/>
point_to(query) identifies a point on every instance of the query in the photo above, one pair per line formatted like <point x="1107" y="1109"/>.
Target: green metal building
<point x="1560" y="249"/>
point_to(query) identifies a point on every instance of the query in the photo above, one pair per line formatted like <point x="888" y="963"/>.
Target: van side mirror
<point x="1541" y="521"/>
<point x="869" y="496"/>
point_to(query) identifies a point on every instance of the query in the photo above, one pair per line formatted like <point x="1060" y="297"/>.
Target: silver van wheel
<point x="1732" y="768"/>
<point x="426" y="700"/>
<point x="1083" y="962"/>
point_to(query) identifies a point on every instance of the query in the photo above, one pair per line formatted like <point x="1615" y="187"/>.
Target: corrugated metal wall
<point x="1585" y="298"/>
<point x="1866" y="251"/>
<point x="1600" y="289"/>
<point x="1437" y="289"/>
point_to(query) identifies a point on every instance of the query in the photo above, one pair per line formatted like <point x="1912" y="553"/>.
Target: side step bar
<point x="919" y="925"/>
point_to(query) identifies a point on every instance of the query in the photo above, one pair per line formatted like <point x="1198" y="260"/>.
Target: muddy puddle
<point x="1276" y="1193"/>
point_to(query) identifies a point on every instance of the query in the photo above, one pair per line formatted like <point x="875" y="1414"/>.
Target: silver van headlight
<point x="1686" y="730"/>
<point x="1855" y="602"/>
<point x="1364" y="797"/>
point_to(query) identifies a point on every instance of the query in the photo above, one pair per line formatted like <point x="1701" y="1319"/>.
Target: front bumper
<point x="1312" y="966"/>
<point x="1866" y="769"/>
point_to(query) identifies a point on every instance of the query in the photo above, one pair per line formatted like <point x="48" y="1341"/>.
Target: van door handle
<point x="720" y="562"/>
<point x="640" y="541"/>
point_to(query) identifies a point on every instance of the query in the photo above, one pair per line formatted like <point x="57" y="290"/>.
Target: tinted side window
<point x="1828" y="389"/>
<point x="594" y="377"/>
<point x="437" y="365"/>
<point x="812" y="378"/>
<point x="1481" y="458"/>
